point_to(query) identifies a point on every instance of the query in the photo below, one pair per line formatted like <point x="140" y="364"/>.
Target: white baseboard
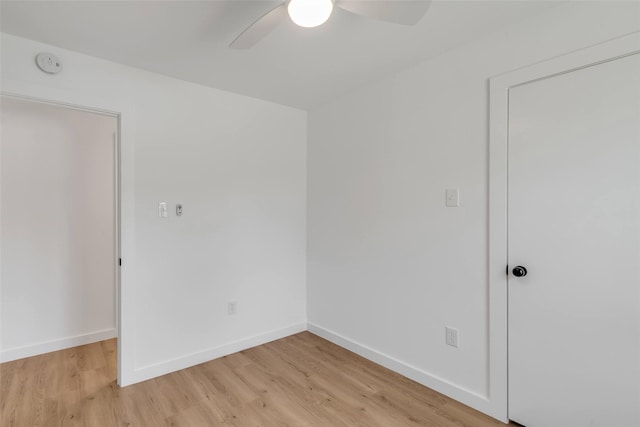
<point x="55" y="345"/>
<point x="468" y="397"/>
<point x="157" y="369"/>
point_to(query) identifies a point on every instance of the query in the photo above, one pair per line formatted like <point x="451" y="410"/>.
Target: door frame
<point x="124" y="204"/>
<point x="498" y="193"/>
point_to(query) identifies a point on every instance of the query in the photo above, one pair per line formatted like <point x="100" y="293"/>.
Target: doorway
<point x="565" y="221"/>
<point x="60" y="226"/>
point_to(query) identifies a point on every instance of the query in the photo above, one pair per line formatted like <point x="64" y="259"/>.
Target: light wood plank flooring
<point x="302" y="380"/>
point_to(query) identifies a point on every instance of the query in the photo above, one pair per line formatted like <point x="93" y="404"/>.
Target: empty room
<point x="374" y="213"/>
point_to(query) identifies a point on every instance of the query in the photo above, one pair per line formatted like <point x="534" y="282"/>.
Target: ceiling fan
<point x="312" y="13"/>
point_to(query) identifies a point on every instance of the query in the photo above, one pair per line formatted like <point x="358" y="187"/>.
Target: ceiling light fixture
<point x="310" y="13"/>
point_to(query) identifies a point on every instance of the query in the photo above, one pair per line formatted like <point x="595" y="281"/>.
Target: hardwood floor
<point x="302" y="380"/>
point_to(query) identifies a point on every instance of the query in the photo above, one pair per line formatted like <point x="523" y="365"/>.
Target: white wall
<point x="237" y="165"/>
<point x="58" y="229"/>
<point x="389" y="266"/>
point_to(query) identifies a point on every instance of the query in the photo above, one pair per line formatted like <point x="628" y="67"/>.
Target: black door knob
<point x="519" y="271"/>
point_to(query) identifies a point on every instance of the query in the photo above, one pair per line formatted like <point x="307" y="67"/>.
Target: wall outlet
<point x="232" y="308"/>
<point x="451" y="336"/>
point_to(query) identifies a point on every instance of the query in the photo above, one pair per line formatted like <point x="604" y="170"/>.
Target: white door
<point x="574" y="224"/>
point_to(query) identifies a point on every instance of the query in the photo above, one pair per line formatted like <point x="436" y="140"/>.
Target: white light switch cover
<point x="453" y="197"/>
<point x="162" y="210"/>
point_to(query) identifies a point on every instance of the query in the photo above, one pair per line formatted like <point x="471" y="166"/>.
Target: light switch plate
<point x="162" y="210"/>
<point x="453" y="197"/>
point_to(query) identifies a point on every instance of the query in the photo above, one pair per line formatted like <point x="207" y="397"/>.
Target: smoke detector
<point x="49" y="63"/>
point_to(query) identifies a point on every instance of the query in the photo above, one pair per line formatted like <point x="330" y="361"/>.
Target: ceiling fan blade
<point x="405" y="12"/>
<point x="260" y="28"/>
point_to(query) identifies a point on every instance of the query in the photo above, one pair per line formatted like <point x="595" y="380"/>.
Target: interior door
<point x="574" y="225"/>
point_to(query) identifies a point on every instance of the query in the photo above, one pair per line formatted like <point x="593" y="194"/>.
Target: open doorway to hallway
<point x="59" y="227"/>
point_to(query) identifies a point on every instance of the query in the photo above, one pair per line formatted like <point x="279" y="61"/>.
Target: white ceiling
<point x="294" y="66"/>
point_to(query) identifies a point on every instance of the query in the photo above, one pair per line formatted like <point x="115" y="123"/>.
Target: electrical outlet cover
<point x="232" y="308"/>
<point x="451" y="336"/>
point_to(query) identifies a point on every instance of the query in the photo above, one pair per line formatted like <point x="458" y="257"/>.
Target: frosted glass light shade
<point x="310" y="13"/>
